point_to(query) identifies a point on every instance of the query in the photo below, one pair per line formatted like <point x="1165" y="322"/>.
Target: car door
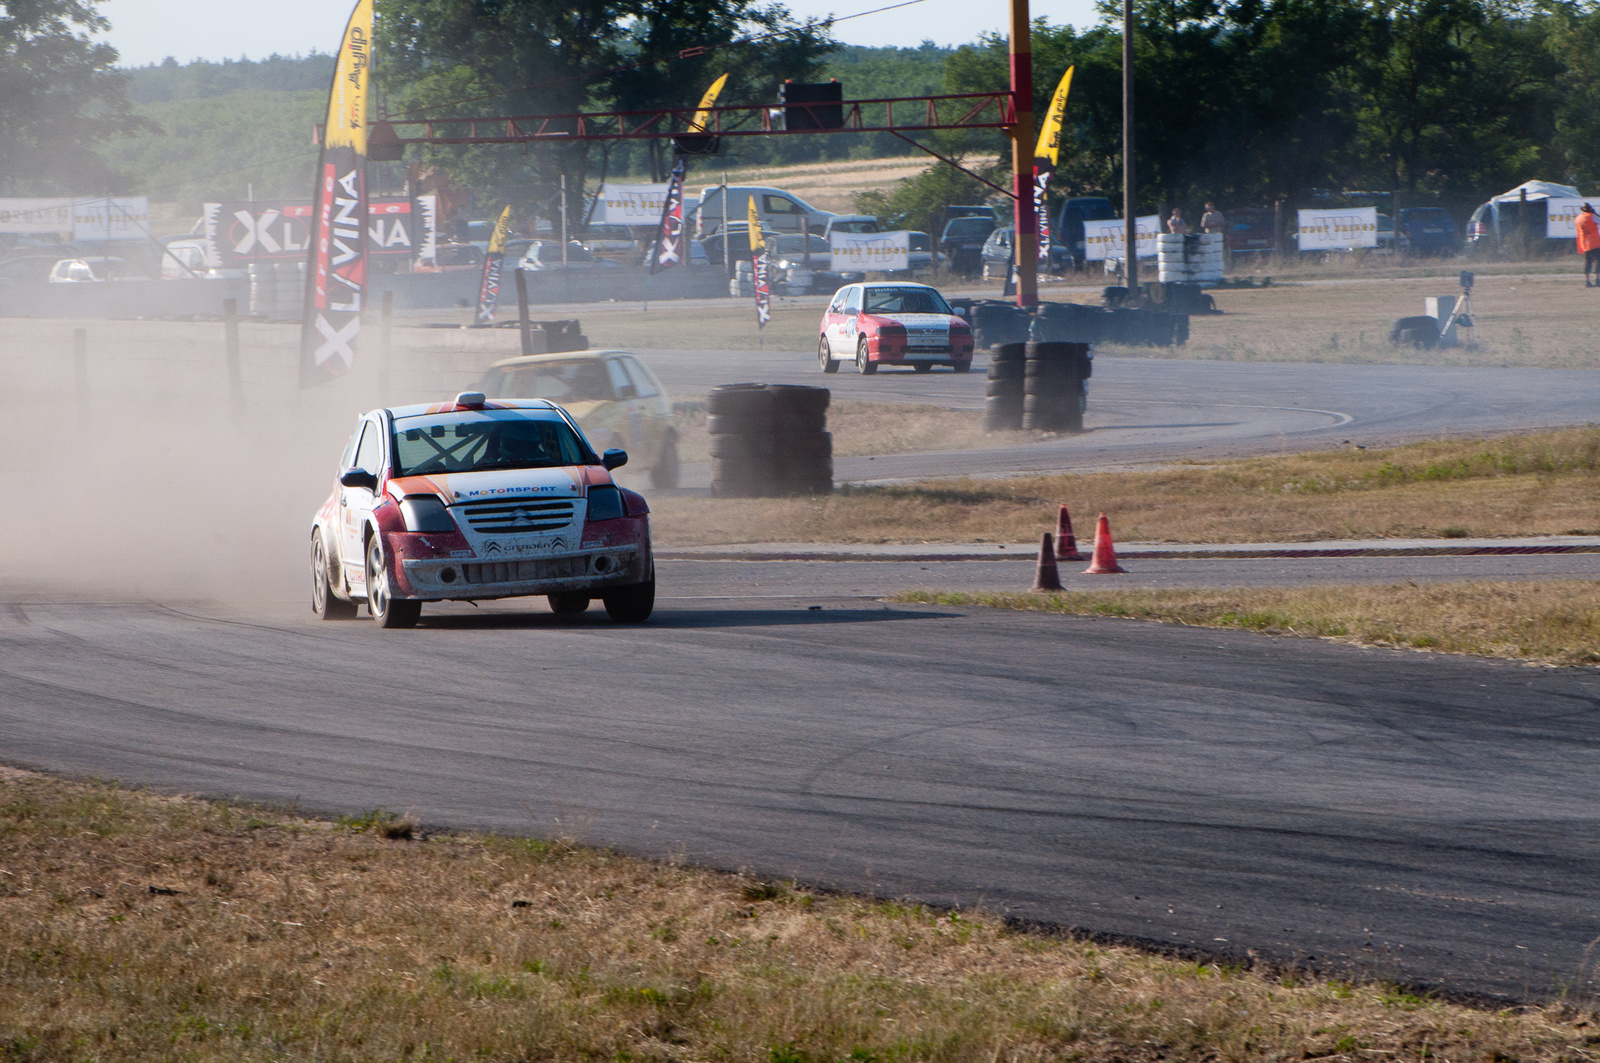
<point x="633" y="432"/>
<point x="356" y="504"/>
<point x="655" y="411"/>
<point x="841" y="322"/>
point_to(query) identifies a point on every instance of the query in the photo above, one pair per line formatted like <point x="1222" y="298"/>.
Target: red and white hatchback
<point x="893" y="324"/>
<point x="476" y="499"/>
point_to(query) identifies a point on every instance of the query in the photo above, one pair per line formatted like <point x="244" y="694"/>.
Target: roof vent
<point x="470" y="399"/>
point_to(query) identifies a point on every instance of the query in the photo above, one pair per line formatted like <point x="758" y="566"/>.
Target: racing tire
<point x="568" y="603"/>
<point x="863" y="362"/>
<point x="632" y="604"/>
<point x="923" y="367"/>
<point x="962" y="367"/>
<point x="665" y="472"/>
<point x="825" y="357"/>
<point x="381" y="605"/>
<point x="326" y="604"/>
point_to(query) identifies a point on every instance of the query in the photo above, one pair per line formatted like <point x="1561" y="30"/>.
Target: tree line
<point x="1243" y="101"/>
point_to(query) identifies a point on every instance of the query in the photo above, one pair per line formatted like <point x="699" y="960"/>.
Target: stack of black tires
<point x="1002" y="406"/>
<point x="769" y="440"/>
<point x="1053" y="386"/>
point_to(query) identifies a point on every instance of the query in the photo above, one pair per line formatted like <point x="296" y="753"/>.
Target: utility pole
<point x="1130" y="257"/>
<point x="1025" y="235"/>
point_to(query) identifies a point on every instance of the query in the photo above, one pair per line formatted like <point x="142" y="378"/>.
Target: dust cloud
<point x="134" y="475"/>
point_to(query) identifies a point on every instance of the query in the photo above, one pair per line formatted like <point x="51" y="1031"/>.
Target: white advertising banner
<point x="861" y="252"/>
<point x="113" y="218"/>
<point x="35" y="215"/>
<point x="632" y="204"/>
<point x="1561" y="216"/>
<point x="1108" y="239"/>
<point x="1338" y="230"/>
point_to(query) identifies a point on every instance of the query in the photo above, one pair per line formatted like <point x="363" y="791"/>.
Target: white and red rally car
<point x="477" y="499"/>
<point x="893" y="324"/>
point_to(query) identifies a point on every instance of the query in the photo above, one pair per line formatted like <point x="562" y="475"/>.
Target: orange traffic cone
<point x="1046" y="577"/>
<point x="1066" y="542"/>
<point x="1105" y="555"/>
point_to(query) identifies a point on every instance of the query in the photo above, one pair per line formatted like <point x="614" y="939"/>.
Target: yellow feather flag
<point x="502" y="228"/>
<point x="1049" y="146"/>
<point x="702" y="115"/>
<point x="757" y="241"/>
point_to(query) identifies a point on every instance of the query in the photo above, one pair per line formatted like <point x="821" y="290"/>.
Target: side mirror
<point x="359" y="478"/>
<point x="614" y="459"/>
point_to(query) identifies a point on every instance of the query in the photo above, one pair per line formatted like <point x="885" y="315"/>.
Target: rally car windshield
<point x="905" y="301"/>
<point x="491" y="439"/>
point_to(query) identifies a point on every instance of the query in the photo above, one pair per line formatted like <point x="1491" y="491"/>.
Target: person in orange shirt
<point x="1589" y="244"/>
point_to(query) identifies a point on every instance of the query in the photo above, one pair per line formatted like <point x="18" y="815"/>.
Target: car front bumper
<point x="466" y="579"/>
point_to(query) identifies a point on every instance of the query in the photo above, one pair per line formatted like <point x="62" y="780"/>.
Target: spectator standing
<point x="1213" y="221"/>
<point x="1176" y="224"/>
<point x="1589" y="244"/>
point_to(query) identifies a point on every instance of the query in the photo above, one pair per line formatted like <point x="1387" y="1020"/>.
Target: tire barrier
<point x="1002" y="405"/>
<point x="1181" y="298"/>
<point x="996" y="322"/>
<point x="1194" y="258"/>
<point x="1080" y="323"/>
<point x="1053" y="394"/>
<point x="769" y="440"/>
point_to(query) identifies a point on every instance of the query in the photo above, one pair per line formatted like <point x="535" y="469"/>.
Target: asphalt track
<point x="1144" y="410"/>
<point x="1402" y="816"/>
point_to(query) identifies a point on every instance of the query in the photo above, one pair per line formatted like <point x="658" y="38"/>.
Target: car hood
<point x="920" y="322"/>
<point x="492" y="484"/>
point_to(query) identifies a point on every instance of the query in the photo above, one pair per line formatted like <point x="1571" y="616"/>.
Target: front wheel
<point x="825" y="356"/>
<point x="326" y="604"/>
<point x="864" y="363"/>
<point x="633" y="604"/>
<point x="381" y="604"/>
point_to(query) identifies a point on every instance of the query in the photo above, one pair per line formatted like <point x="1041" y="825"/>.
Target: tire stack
<point x="1195" y="258"/>
<point x="769" y="440"/>
<point x="1053" y="391"/>
<point x="1002" y="408"/>
<point x="1069" y="323"/>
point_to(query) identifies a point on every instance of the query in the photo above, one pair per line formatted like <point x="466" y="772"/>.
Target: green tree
<point x="59" y="95"/>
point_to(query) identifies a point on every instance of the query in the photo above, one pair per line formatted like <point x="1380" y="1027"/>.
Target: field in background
<point x="140" y="927"/>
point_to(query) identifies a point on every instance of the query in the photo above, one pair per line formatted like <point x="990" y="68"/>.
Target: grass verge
<point x="137" y="927"/>
<point x="1555" y="622"/>
<point x="1544" y="483"/>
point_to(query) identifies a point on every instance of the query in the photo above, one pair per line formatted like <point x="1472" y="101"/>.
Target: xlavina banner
<point x="489" y="288"/>
<point x="669" y="248"/>
<point x="759" y="268"/>
<point x="1046" y="154"/>
<point x="336" y="273"/>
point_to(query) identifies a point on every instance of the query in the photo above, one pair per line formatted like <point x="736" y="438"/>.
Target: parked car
<point x="1250" y="230"/>
<point x="452" y="258"/>
<point x="1428" y="231"/>
<point x="997" y="254"/>
<point x="543" y="255"/>
<point x="851" y="223"/>
<point x="1385" y="234"/>
<point x="91" y="270"/>
<point x="893" y="323"/>
<point x="472" y="499"/>
<point x="25" y="268"/>
<point x="737" y="237"/>
<point x="612" y="395"/>
<point x="1520" y="210"/>
<point x="962" y="243"/>
<point x="1069" y="222"/>
<point x="611" y="240"/>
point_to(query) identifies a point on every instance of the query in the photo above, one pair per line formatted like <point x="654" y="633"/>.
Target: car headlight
<point x="605" y="503"/>
<point x="426" y="513"/>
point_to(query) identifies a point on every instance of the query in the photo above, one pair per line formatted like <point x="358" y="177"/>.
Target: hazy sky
<point x="147" y="31"/>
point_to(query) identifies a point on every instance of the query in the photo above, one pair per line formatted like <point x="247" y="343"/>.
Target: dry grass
<point x="1538" y="320"/>
<point x="872" y="428"/>
<point x="137" y="927"/>
<point x="1557" y="622"/>
<point x="1538" y="484"/>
